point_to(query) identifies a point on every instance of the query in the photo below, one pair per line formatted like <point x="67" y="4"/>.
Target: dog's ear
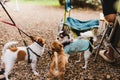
<point x="56" y="46"/>
<point x="41" y="40"/>
<point x="60" y="45"/>
<point x="53" y="45"/>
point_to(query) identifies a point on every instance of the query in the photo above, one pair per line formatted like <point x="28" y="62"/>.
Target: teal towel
<point x="81" y="25"/>
<point x="77" y="45"/>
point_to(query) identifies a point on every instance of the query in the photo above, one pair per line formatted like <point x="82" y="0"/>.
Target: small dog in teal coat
<point x="78" y="46"/>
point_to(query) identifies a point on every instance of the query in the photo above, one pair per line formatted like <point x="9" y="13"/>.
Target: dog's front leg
<point x="85" y="66"/>
<point x="79" y="57"/>
<point x="49" y="76"/>
<point x="8" y="67"/>
<point x="86" y="57"/>
<point x="33" y="65"/>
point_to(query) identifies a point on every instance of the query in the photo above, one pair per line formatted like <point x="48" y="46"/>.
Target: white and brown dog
<point x="10" y="55"/>
<point x="59" y="61"/>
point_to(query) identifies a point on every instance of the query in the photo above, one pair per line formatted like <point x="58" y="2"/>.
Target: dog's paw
<point x="84" y="67"/>
<point x="48" y="79"/>
<point x="35" y="73"/>
<point x="77" y="61"/>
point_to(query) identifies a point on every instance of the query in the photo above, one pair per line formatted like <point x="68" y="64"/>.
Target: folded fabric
<point x="81" y="25"/>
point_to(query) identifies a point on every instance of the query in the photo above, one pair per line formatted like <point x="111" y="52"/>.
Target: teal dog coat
<point x="78" y="45"/>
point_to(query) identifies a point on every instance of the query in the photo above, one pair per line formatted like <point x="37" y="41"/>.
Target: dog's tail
<point x="9" y="44"/>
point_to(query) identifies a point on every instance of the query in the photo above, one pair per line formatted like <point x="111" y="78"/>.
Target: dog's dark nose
<point x="57" y="38"/>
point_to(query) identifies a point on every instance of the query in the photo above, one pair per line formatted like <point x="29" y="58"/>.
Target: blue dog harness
<point x="77" y="45"/>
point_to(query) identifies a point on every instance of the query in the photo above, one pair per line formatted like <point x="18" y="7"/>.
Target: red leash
<point x="13" y="23"/>
<point x="20" y="31"/>
<point x="9" y="23"/>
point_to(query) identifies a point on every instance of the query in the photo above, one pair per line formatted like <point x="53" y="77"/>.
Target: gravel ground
<point x="44" y="21"/>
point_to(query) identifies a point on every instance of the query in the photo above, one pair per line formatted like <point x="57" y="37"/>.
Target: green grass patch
<point x="40" y="2"/>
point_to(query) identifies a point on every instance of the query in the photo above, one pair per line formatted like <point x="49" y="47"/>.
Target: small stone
<point x="33" y="76"/>
<point x="108" y="77"/>
<point x="90" y="77"/>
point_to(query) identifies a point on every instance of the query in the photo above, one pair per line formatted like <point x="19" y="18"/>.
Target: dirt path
<point x="44" y="21"/>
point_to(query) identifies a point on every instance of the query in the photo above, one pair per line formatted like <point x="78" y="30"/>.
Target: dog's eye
<point x="61" y="35"/>
<point x="53" y="49"/>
